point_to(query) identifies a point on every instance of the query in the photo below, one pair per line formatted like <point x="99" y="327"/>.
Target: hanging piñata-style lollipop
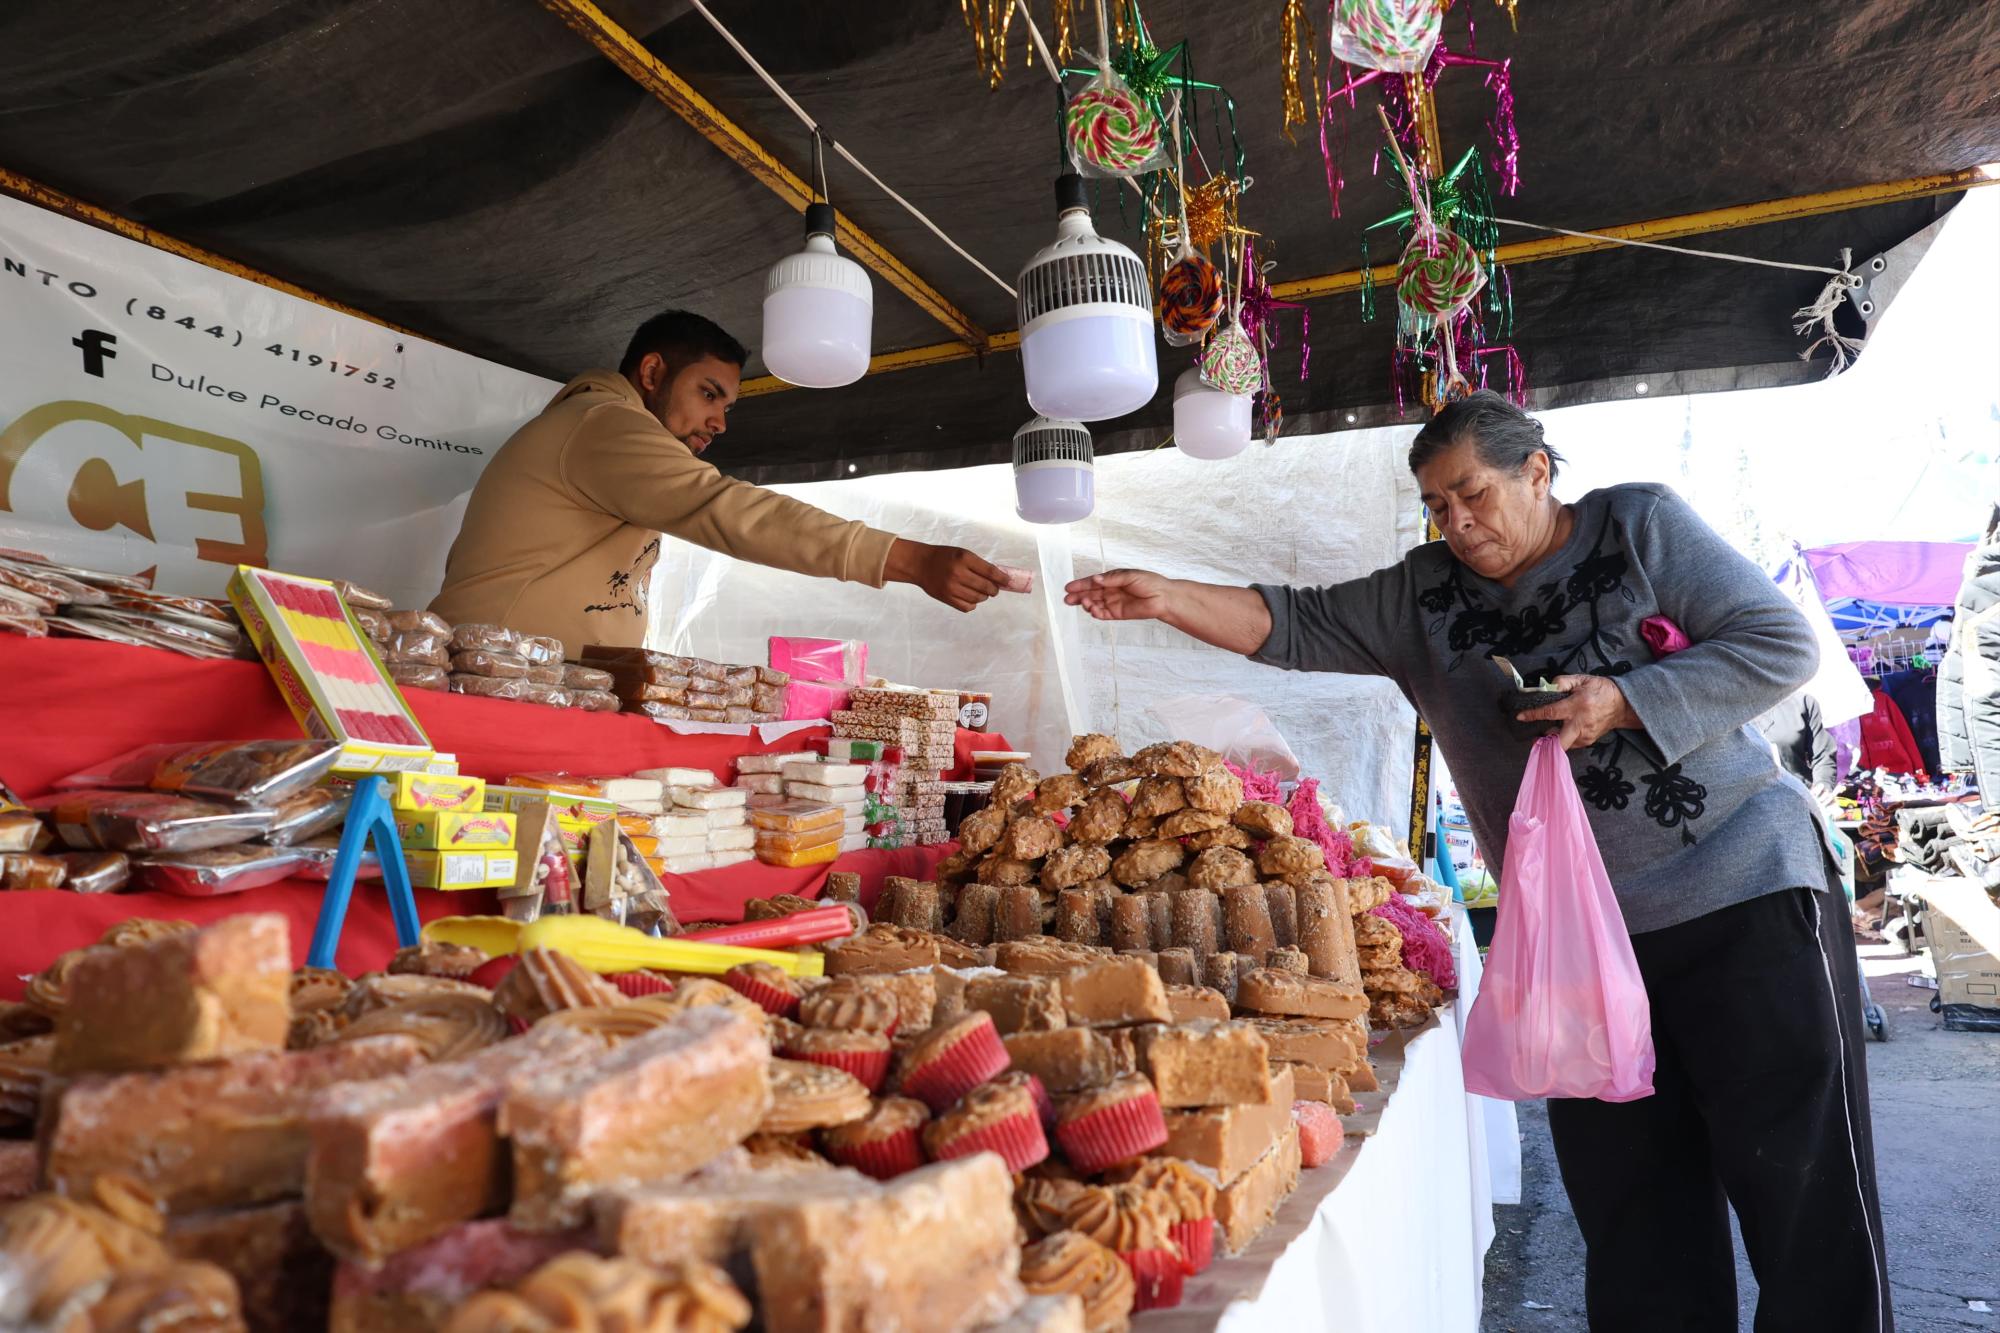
<point x="1190" y="299"/>
<point x="1439" y="275"/>
<point x="1231" y="363"/>
<point x="1393" y="35"/>
<point x="1109" y="130"/>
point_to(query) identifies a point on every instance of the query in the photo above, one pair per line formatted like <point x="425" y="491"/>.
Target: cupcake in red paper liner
<point x="952" y="1060"/>
<point x="886" y="1143"/>
<point x="865" y="1055"/>
<point x="638" y="985"/>
<point x="1070" y="1263"/>
<point x="855" y="1004"/>
<point x="990" y="1118"/>
<point x="1045" y="1105"/>
<point x="1190" y="1197"/>
<point x="775" y="990"/>
<point x="1112" y="1124"/>
<point x="1135" y="1223"/>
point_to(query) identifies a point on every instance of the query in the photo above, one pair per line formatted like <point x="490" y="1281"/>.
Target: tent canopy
<point x="485" y="177"/>
<point x="1890" y="573"/>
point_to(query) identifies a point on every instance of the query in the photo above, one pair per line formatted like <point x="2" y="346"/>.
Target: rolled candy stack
<point x="1397" y="36"/>
<point x="1190" y="299"/>
<point x="1111" y="130"/>
<point x="1439" y="276"/>
<point x="1231" y="363"/>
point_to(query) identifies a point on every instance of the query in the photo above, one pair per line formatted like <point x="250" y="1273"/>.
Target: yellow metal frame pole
<point x="1544" y="247"/>
<point x="651" y="73"/>
<point x="46" y="196"/>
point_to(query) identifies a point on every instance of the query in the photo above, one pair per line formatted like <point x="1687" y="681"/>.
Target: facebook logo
<point x="97" y="348"/>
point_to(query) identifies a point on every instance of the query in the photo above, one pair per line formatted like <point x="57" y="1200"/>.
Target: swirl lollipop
<point x="1190" y="299"/>
<point x="1439" y="275"/>
<point x="1393" y="35"/>
<point x="1110" y="130"/>
<point x="1231" y="363"/>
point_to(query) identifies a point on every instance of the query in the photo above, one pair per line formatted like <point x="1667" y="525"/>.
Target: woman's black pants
<point x="1760" y="1103"/>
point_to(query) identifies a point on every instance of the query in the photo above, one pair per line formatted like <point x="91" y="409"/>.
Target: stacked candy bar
<point x="842" y="785"/>
<point x="922" y="726"/>
<point x="669" y="688"/>
<point x="700" y="824"/>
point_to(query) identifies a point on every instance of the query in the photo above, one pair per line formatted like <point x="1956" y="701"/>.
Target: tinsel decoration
<point x="1296" y="33"/>
<point x="1161" y="79"/>
<point x="1211" y="211"/>
<point x="989" y="21"/>
<point x="1258" y="308"/>
<point x="1065" y="26"/>
<point x="1513" y="12"/>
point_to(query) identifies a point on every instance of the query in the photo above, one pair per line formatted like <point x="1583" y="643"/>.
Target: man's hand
<point x="951" y="574"/>
<point x="1595" y="705"/>
<point x="1122" y="594"/>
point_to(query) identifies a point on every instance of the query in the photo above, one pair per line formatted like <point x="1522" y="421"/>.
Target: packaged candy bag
<point x="262" y="773"/>
<point x="1111" y="132"/>
<point x="1562" y="1011"/>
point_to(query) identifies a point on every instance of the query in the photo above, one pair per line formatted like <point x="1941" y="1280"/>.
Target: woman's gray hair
<point x="1504" y="436"/>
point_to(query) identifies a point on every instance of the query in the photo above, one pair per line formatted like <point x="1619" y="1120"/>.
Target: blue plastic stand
<point x="368" y="817"/>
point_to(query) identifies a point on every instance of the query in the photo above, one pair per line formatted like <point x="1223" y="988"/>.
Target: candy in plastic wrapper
<point x="741" y="717"/>
<point x="803" y="840"/>
<point x="545" y="673"/>
<point x="205" y="640"/>
<point x="580" y="677"/>
<point x="671" y="691"/>
<point x="96" y="872"/>
<point x="541" y="649"/>
<point x="376" y="623"/>
<point x="246" y="772"/>
<point x="605" y="655"/>
<point x="428" y="621"/>
<point x="22" y="871"/>
<point x="308" y="814"/>
<point x="487" y="639"/>
<point x="218" y="871"/>
<point x="416" y="676"/>
<point x="1016" y="580"/>
<point x="418" y="647"/>
<point x="768" y="698"/>
<point x="555" y="696"/>
<point x="487" y="686"/>
<point x="664" y="712"/>
<point x="811" y="856"/>
<point x="357" y="596"/>
<point x="593" y="701"/>
<point x="96" y="578"/>
<point x="150" y="821"/>
<point x="22" y="830"/>
<point x="24" y="626"/>
<point x="619" y="886"/>
<point x="488" y="662"/>
<point x="317" y="855"/>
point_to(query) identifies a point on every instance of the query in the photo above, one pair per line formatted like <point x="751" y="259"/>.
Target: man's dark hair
<point x="1504" y="436"/>
<point x="682" y="338"/>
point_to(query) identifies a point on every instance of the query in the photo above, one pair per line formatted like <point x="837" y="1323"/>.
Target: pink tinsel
<point x="1425" y="949"/>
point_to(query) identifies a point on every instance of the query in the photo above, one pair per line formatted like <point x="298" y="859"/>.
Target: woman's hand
<point x="1595" y="705"/>
<point x="1123" y="594"/>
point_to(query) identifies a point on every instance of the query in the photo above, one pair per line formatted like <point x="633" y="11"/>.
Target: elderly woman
<point x="1716" y="855"/>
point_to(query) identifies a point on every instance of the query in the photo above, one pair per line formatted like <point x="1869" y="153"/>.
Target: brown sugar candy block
<point x="1146" y="956"/>
<point x="1131" y="923"/>
<point x="1192" y="1002"/>
<point x="1288" y="960"/>
<point x="659" y="1104"/>
<point x="202" y="995"/>
<point x="1245" y="1207"/>
<point x="1191" y="923"/>
<point x="1115" y="992"/>
<point x="1176" y="968"/>
<point x="1124" y="1044"/>
<point x="843" y="886"/>
<point x="1160" y="905"/>
<point x="934" y="1250"/>
<point x="1320" y="1042"/>
<point x="1076" y="916"/>
<point x="1322" y="1085"/>
<point x="977" y="904"/>
<point x="1018" y="1004"/>
<point x="1229" y="1140"/>
<point x="882" y="948"/>
<point x="1325" y="932"/>
<point x="1018" y="915"/>
<point x="207" y="1136"/>
<point x="398" y="1161"/>
<point x="1265" y="991"/>
<point x="1067" y="1060"/>
<point x="281" y="1272"/>
<point x="708" y="1215"/>
<point x="1281" y="901"/>
<point x="916" y="907"/>
<point x="1219" y="972"/>
<point x="1247" y="921"/>
<point x="1042" y="957"/>
<point x="1205" y="1063"/>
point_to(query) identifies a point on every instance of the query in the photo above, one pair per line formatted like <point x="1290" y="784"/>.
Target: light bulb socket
<point x="1070" y="193"/>
<point x="820" y="220"/>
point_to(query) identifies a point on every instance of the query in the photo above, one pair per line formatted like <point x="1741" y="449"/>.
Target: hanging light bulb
<point x="818" y="306"/>
<point x="1209" y="423"/>
<point x="1053" y="477"/>
<point x="1086" y="314"/>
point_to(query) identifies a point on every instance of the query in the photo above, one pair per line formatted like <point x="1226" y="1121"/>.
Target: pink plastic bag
<point x="1562" y="1010"/>
<point x="823" y="672"/>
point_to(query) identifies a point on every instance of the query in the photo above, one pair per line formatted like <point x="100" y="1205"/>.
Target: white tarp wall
<point x="1314" y="509"/>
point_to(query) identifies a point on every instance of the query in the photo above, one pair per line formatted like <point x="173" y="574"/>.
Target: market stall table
<point x="73" y="703"/>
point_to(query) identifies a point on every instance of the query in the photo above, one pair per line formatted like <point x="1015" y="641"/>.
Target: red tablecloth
<point x="69" y="703"/>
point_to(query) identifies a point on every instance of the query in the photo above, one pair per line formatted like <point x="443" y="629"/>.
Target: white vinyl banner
<point x="159" y="414"/>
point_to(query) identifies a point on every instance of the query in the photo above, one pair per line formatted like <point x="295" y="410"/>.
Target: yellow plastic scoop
<point x="606" y="946"/>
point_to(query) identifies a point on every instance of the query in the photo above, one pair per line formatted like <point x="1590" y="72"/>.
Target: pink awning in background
<point x="1898" y="573"/>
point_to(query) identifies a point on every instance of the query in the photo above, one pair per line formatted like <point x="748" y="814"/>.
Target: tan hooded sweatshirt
<point x="563" y="529"/>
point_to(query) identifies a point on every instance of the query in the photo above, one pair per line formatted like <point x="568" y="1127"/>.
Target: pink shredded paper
<point x="1307" y="821"/>
<point x="1425" y="949"/>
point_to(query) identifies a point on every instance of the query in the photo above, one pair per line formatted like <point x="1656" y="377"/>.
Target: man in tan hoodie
<point x="563" y="529"/>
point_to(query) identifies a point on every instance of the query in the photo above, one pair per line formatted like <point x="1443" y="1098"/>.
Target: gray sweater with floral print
<point x="1692" y="814"/>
